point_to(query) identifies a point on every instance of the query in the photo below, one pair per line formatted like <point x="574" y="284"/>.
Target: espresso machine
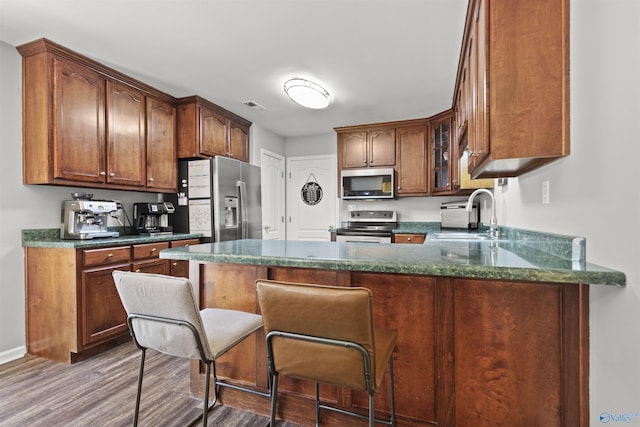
<point x="85" y="218"/>
<point x="153" y="218"/>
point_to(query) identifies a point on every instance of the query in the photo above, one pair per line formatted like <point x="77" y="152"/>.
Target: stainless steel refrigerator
<point x="218" y="197"/>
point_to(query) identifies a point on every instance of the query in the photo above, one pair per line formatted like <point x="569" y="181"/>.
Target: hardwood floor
<point x="101" y="391"/>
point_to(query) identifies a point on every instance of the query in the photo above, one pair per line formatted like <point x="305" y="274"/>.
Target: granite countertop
<point x="523" y="260"/>
<point x="50" y="238"/>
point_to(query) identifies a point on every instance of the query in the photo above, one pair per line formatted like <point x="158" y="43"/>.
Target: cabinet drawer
<point x="149" y="250"/>
<point x="103" y="256"/>
<point x="409" y="238"/>
<point x="187" y="242"/>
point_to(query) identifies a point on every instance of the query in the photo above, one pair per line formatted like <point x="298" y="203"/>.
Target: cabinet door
<point x="156" y="266"/>
<point x="477" y="98"/>
<point x="441" y="156"/>
<point x="238" y="142"/>
<point x="126" y="154"/>
<point x="353" y="146"/>
<point x="213" y="133"/>
<point x="78" y="131"/>
<point x="161" y="145"/>
<point x="181" y="268"/>
<point x="103" y="316"/>
<point x="412" y="161"/>
<point x="382" y="147"/>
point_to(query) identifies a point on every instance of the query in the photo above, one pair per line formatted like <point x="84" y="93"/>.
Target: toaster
<point x="455" y="215"/>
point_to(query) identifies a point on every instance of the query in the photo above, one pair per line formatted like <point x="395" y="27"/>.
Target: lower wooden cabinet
<point x="73" y="309"/>
<point x="470" y="352"/>
<point x="408" y="238"/>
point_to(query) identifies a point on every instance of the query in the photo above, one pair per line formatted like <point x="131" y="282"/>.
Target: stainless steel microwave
<point x="369" y="183"/>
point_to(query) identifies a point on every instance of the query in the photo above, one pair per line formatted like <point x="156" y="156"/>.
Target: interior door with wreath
<point x="311" y="197"/>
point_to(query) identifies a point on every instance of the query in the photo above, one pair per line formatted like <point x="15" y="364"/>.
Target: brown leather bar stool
<point x="163" y="315"/>
<point x="325" y="334"/>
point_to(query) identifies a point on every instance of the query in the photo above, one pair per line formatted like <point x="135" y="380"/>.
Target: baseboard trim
<point x="12" y="354"/>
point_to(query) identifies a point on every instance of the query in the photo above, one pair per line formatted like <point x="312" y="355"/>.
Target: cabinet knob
<point x="153" y="249"/>
<point x="174" y="263"/>
<point x="109" y="255"/>
<point x="408" y="239"/>
<point x="103" y="173"/>
<point x="112" y="174"/>
<point x="151" y="179"/>
<point x="138" y="271"/>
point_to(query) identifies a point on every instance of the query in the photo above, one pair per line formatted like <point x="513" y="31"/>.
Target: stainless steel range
<point x="368" y="226"/>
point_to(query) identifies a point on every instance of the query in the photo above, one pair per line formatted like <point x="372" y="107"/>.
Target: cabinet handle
<point x="109" y="255"/>
<point x="153" y="250"/>
<point x="174" y="263"/>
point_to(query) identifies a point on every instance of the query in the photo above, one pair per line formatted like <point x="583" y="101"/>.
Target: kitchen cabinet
<point x="511" y="97"/>
<point x="207" y="130"/>
<point x="126" y="154"/>
<point x="442" y="160"/>
<point x="145" y="258"/>
<point x="161" y="144"/>
<point x="409" y="238"/>
<point x="181" y="268"/>
<point x="73" y="309"/>
<point x="367" y="148"/>
<point x="87" y="125"/>
<point x="411" y="168"/>
<point x="453" y="345"/>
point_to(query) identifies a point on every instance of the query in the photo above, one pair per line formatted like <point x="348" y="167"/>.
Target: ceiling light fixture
<point x="307" y="93"/>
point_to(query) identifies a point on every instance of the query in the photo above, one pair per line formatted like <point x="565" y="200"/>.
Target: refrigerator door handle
<point x="242" y="186"/>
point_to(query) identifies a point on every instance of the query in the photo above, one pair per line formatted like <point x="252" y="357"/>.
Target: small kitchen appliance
<point x="454" y="215"/>
<point x="153" y="218"/>
<point x="367" y="183"/>
<point x="85" y="218"/>
<point x="370" y="226"/>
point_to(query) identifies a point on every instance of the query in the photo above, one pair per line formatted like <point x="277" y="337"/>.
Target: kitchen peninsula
<point x="489" y="333"/>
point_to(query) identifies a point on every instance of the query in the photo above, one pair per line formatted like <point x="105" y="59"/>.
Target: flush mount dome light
<point x="308" y="94"/>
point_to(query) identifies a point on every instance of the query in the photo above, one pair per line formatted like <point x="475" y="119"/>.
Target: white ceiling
<point x="382" y="60"/>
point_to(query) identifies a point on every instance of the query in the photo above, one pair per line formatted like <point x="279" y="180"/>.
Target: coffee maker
<point x="153" y="218"/>
<point x="85" y="218"/>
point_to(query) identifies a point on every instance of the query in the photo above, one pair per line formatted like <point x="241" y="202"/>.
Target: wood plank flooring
<point x="101" y="391"/>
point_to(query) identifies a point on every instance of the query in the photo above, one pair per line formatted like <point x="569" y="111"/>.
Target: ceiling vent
<point x="254" y="105"/>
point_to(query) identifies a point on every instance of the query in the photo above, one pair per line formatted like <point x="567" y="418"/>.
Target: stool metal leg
<point x="392" y="394"/>
<point x="274" y="396"/>
<point x="317" y="405"/>
<point x="140" y="374"/>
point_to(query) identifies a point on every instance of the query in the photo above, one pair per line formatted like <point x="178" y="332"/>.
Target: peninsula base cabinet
<point x="73" y="310"/>
<point x="470" y="352"/>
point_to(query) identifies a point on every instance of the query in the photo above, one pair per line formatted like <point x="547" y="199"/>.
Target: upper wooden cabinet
<point x="161" y="144"/>
<point x="126" y="156"/>
<point x="87" y="125"/>
<point x="207" y="130"/>
<point x="511" y="99"/>
<point x="366" y="147"/>
<point x="412" y="160"/>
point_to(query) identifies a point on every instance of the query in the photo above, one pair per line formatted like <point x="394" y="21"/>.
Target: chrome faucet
<point x="493" y="222"/>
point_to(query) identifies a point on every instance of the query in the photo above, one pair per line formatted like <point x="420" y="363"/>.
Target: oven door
<point x="362" y="238"/>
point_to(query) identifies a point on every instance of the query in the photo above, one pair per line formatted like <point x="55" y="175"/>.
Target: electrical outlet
<point x="546" y="189"/>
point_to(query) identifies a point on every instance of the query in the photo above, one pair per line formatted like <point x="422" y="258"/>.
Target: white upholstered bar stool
<point x="162" y="314"/>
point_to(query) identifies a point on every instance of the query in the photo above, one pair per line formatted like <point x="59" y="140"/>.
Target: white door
<point x="273" y="195"/>
<point x="311" y="197"/>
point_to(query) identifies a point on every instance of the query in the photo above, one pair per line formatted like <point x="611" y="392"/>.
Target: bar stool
<point x="325" y="334"/>
<point x="162" y="314"/>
